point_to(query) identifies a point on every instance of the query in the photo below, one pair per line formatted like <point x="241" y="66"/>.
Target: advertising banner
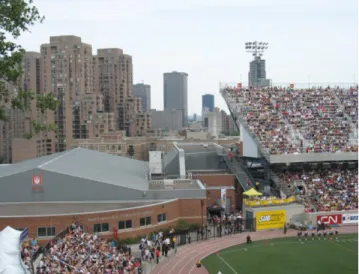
<point x="350" y="218"/>
<point x="332" y="219"/>
<point x="24" y="234"/>
<point x="223" y="198"/>
<point x="275" y="201"/>
<point x="271" y="219"/>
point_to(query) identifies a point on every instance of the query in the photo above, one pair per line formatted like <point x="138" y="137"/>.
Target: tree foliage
<point x="17" y="17"/>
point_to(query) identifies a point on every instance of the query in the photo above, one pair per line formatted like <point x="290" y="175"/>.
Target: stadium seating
<point x="80" y="252"/>
<point x="349" y="99"/>
<point x="263" y="119"/>
<point x="329" y="189"/>
<point x="290" y="121"/>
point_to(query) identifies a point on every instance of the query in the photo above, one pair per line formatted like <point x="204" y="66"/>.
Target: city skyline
<point x="307" y="39"/>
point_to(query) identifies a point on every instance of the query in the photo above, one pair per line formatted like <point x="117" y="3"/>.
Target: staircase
<point x="242" y="176"/>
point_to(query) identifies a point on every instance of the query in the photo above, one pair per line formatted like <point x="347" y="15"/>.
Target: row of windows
<point x="46" y="231"/>
<point x="103" y="227"/>
<point x="126" y="224"/>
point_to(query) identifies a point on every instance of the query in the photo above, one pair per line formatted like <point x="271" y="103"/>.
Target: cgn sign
<point x="270" y="219"/>
<point x="333" y="219"/>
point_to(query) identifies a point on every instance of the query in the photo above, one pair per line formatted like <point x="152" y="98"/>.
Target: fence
<point x="214" y="230"/>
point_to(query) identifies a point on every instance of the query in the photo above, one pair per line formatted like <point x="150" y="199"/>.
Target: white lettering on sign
<point x="266" y="218"/>
<point x="329" y="219"/>
<point x="120" y="217"/>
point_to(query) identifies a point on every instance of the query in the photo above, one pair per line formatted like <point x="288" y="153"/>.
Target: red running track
<point x="187" y="256"/>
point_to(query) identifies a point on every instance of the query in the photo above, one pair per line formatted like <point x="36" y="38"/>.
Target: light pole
<point x="257" y="49"/>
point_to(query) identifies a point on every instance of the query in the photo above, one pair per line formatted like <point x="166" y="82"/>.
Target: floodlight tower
<point x="256" y="48"/>
<point x="257" y="71"/>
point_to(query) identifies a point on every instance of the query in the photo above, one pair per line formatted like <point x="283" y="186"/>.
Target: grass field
<point x="283" y="256"/>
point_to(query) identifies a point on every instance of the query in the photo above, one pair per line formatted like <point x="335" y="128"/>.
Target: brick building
<point x="99" y="190"/>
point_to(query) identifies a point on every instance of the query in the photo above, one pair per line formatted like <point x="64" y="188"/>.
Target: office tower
<point x="175" y="92"/>
<point x="257" y="73"/>
<point x="169" y="119"/>
<point x="67" y="72"/>
<point x="208" y="102"/>
<point x="144" y="92"/>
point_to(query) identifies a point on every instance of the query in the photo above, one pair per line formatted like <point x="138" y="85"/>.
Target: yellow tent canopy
<point x="252" y="192"/>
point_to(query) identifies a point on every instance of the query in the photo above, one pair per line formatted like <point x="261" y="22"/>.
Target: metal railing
<point x="46" y="248"/>
<point x="213" y="230"/>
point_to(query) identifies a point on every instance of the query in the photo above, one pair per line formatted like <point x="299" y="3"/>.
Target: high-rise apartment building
<point x="113" y="78"/>
<point x="95" y="95"/>
<point x="14" y="127"/>
<point x="144" y="92"/>
<point x="13" y="145"/>
<point x="175" y="92"/>
<point x="208" y="102"/>
<point x="67" y="72"/>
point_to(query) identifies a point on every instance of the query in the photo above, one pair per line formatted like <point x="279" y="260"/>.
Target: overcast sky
<point x="309" y="40"/>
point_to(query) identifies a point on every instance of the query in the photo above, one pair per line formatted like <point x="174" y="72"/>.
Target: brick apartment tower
<point x="13" y="147"/>
<point x="113" y="77"/>
<point x="67" y="72"/>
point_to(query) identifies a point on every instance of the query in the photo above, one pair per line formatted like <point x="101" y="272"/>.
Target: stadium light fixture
<point x="257" y="48"/>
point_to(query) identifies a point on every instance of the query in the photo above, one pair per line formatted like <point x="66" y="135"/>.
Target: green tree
<point x="16" y="17"/>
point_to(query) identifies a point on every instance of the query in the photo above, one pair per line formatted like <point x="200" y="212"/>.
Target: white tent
<point x="10" y="258"/>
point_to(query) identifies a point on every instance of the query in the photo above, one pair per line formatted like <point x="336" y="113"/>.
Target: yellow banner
<point x="270" y="219"/>
<point x="254" y="203"/>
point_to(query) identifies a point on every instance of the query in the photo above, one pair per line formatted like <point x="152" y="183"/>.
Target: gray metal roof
<point x="88" y="164"/>
<point x="43" y="209"/>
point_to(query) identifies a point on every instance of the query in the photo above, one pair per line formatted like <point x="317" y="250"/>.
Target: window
<point x="162" y="217"/>
<point x="46" y="231"/>
<point x="101" y="227"/>
<point x="125" y="224"/>
<point x="145" y="221"/>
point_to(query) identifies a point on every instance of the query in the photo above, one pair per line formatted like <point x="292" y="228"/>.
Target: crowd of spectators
<point x="329" y="189"/>
<point x="290" y="121"/>
<point x="81" y="252"/>
<point x="349" y="100"/>
<point x="151" y="248"/>
<point x="264" y="121"/>
<point x="29" y="248"/>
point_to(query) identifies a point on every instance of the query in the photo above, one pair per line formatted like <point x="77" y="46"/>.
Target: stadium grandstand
<point x="304" y="141"/>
